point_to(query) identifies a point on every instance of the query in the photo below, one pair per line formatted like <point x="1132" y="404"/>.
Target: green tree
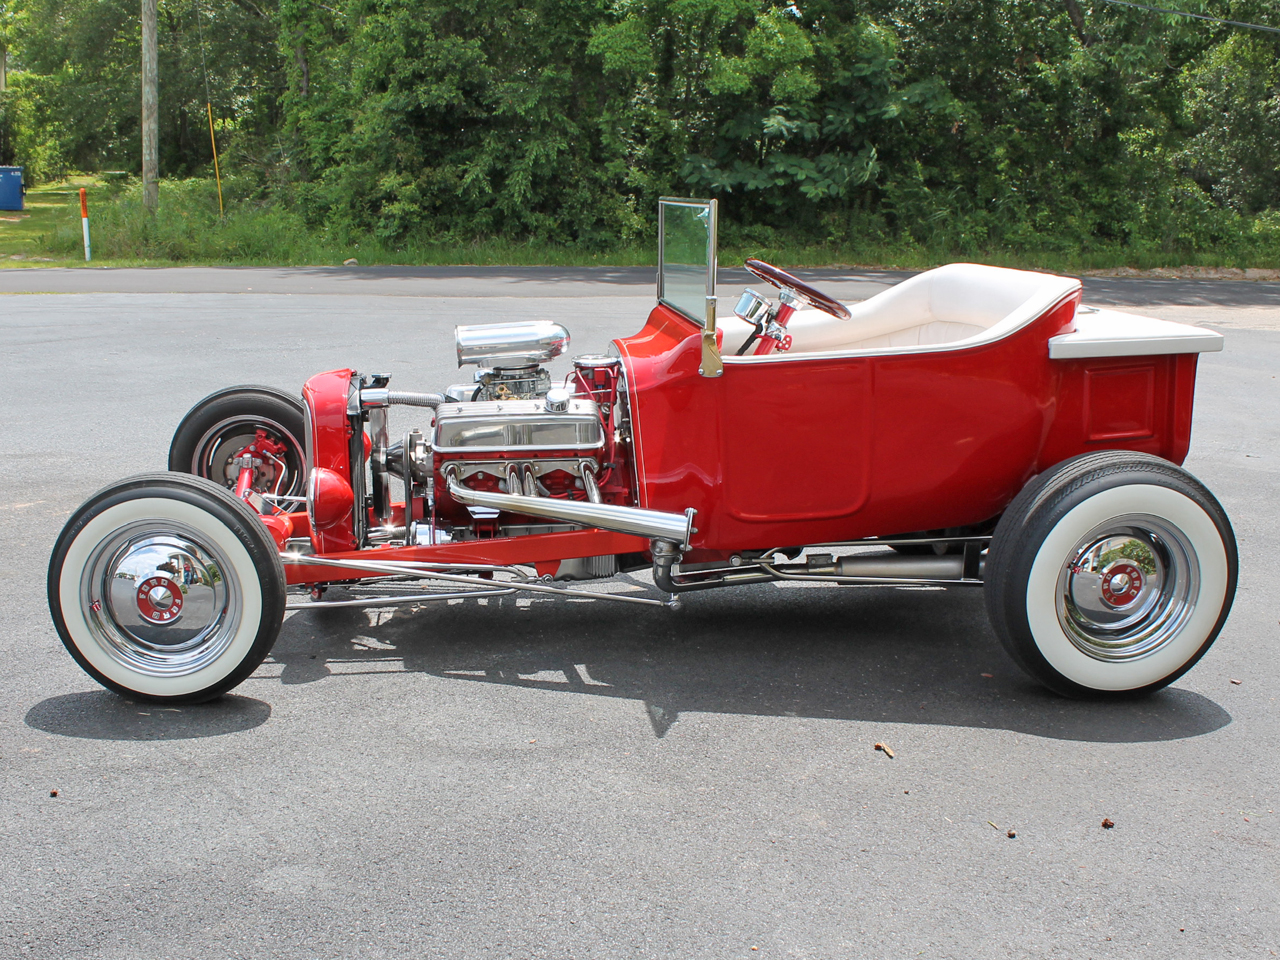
<point x="1233" y="106"/>
<point x="964" y="126"/>
<point x="81" y="58"/>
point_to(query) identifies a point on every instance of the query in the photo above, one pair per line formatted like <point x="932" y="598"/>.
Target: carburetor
<point x="509" y="355"/>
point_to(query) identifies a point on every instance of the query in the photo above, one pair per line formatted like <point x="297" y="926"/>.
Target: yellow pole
<point x="216" y="172"/>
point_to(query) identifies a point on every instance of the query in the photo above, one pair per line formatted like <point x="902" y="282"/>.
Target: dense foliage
<point x="957" y="125"/>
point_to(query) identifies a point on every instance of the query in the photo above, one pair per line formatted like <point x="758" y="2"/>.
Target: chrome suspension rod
<point x="395" y="601"/>
<point x="430" y="572"/>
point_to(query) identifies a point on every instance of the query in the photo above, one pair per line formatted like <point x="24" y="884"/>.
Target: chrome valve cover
<point x="522" y="428"/>
<point x="513" y="445"/>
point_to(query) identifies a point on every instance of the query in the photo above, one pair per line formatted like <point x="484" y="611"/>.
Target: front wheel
<point x="1111" y="574"/>
<point x="166" y="588"/>
<point x="220" y="427"/>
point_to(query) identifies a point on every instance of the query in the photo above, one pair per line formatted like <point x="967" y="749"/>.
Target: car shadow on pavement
<point x="102" y="715"/>
<point x="887" y="655"/>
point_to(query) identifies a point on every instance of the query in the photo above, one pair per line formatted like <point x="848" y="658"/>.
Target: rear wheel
<point x="1111" y="574"/>
<point x="223" y="424"/>
<point x="167" y="588"/>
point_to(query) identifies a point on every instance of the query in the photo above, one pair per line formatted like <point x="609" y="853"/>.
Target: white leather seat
<point x="959" y="305"/>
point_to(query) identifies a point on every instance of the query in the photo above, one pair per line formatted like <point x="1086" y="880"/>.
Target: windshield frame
<point x="703" y="317"/>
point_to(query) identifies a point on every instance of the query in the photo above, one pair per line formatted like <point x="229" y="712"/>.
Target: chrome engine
<point x="511" y="432"/>
<point x="524" y="457"/>
<point x="534" y="448"/>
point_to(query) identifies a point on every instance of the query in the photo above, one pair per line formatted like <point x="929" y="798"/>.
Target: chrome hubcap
<point x="159" y="601"/>
<point x="1128" y="588"/>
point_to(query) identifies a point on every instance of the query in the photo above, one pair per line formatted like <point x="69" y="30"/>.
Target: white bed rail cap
<point x="1110" y="333"/>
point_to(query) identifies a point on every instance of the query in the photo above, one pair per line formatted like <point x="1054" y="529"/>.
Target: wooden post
<point x="150" y="108"/>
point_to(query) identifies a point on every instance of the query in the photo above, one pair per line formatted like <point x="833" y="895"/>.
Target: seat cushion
<point x="961" y="304"/>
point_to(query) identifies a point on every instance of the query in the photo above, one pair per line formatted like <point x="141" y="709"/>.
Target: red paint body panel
<point x="818" y="449"/>
<point x="1130" y="403"/>
<point x="812" y="449"/>
<point x="328" y="447"/>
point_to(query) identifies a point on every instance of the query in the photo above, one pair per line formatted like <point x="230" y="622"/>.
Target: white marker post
<point x="84" y="221"/>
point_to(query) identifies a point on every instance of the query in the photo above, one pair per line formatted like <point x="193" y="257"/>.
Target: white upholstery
<point x="959" y="305"/>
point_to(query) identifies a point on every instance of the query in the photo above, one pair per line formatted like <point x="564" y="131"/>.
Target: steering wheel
<point x="785" y="281"/>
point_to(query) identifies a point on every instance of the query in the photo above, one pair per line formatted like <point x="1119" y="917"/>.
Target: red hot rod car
<point x="971" y="426"/>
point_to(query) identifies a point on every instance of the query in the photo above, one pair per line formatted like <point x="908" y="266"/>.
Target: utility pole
<point x="150" y="108"/>
<point x="6" y="23"/>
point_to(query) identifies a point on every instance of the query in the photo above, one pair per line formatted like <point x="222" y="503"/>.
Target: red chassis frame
<point x="922" y="441"/>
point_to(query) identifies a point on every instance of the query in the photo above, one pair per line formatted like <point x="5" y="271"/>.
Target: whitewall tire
<point x="166" y="588"/>
<point x="1111" y="574"/>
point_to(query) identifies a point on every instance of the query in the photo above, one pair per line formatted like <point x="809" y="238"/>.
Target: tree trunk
<point x="304" y="70"/>
<point x="4" y="69"/>
<point x="1077" y="21"/>
<point x="150" y="108"/>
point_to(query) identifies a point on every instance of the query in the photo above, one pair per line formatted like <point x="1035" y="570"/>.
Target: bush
<point x="915" y="129"/>
<point x="187" y="227"/>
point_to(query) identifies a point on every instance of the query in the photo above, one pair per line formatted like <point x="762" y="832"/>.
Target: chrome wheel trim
<point x="1127" y="588"/>
<point x="215" y="449"/>
<point x="161" y="599"/>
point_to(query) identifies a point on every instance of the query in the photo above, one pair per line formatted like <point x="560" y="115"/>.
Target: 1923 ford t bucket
<point x="971" y="426"/>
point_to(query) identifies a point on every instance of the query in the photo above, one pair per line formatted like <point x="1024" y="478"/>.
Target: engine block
<point x="527" y="447"/>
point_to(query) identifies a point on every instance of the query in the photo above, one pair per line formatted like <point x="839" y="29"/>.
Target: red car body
<point x="979" y="422"/>
<point x="926" y="441"/>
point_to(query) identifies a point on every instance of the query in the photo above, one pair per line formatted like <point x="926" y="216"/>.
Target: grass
<point x="24" y="234"/>
<point x="188" y="231"/>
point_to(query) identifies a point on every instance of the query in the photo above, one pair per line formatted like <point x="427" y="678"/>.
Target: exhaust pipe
<point x="895" y="567"/>
<point x="673" y="528"/>
<point x="957" y="569"/>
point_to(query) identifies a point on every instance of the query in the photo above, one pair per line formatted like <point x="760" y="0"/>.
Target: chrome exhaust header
<point x="676" y="528"/>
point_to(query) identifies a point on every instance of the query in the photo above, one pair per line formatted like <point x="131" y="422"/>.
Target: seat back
<point x="961" y="304"/>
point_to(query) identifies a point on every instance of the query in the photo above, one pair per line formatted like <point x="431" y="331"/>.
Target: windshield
<point x="687" y="255"/>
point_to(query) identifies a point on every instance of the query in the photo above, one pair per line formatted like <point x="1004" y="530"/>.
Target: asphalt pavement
<point x="557" y="282"/>
<point x="572" y="779"/>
